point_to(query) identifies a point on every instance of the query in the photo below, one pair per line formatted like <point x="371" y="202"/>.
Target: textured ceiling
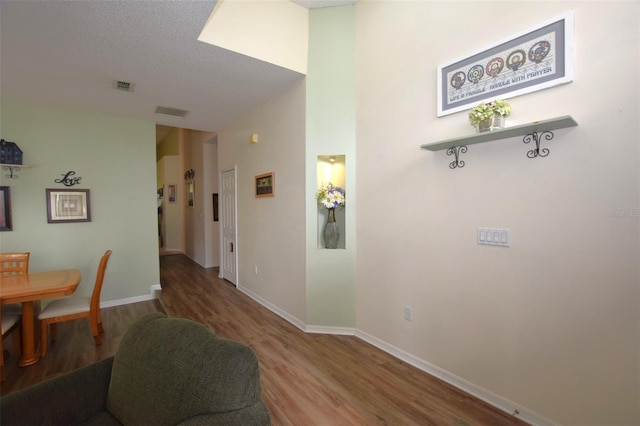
<point x="68" y="53"/>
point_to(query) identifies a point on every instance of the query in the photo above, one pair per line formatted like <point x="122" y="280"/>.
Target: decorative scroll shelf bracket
<point x="456" y="150"/>
<point x="536" y="137"/>
<point x="535" y="131"/>
<point x="12" y="168"/>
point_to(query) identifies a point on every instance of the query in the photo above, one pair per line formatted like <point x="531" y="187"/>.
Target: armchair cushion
<point x="170" y="370"/>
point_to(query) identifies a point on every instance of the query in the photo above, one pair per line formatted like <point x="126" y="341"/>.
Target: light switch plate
<point x="494" y="237"/>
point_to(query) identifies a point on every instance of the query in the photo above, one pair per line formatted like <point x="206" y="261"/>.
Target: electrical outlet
<point x="408" y="313"/>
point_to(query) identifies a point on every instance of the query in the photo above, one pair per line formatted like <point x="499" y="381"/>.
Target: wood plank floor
<point x="307" y="379"/>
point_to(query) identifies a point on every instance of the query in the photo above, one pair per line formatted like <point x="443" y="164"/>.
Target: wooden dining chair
<point x="10" y="325"/>
<point x="72" y="308"/>
<point x="14" y="264"/>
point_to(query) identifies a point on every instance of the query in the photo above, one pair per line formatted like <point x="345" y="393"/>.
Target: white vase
<point x="493" y="123"/>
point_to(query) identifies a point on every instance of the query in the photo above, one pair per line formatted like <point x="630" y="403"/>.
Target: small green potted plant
<point x="489" y="116"/>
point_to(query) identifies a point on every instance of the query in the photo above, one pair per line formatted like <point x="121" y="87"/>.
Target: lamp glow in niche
<point x="189" y="176"/>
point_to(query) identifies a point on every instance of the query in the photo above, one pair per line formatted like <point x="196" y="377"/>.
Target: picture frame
<point x="5" y="209"/>
<point x="68" y="205"/>
<point x="531" y="60"/>
<point x="265" y="185"/>
<point x="173" y="193"/>
<point x="216" y="218"/>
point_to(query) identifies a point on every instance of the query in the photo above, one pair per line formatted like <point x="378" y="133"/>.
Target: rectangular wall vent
<point x="123" y="85"/>
<point x="171" y="111"/>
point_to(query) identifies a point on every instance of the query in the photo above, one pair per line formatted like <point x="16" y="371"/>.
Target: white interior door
<point x="228" y="208"/>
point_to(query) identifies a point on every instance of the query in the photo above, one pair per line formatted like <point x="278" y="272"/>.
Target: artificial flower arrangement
<point x="483" y="111"/>
<point x="330" y="196"/>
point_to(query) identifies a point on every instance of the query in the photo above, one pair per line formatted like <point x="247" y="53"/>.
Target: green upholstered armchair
<point x="167" y="371"/>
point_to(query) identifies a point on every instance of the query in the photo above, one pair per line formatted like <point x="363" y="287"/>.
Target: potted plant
<point x="489" y="116"/>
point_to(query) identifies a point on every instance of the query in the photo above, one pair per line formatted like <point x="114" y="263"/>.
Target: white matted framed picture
<point x="173" y="191"/>
<point x="68" y="205"/>
<point x="534" y="59"/>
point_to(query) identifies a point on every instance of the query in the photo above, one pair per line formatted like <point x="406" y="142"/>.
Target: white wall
<point x="552" y="322"/>
<point x="115" y="157"/>
<point x="211" y="186"/>
<point x="199" y="156"/>
<point x="169" y="174"/>
<point x="271" y="230"/>
<point x="273" y="31"/>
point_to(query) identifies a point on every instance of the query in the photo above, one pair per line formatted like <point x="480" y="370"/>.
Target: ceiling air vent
<point x="125" y="86"/>
<point x="171" y="111"/>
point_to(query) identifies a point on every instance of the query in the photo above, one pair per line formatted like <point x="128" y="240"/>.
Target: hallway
<point x="317" y="379"/>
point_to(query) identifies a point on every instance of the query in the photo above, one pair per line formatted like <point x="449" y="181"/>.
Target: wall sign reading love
<point x="68" y="179"/>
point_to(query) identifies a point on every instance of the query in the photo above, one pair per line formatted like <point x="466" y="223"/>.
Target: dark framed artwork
<point x="5" y="209"/>
<point x="265" y="185"/>
<point x="534" y="59"/>
<point x="68" y="205"/>
<point x="215" y="208"/>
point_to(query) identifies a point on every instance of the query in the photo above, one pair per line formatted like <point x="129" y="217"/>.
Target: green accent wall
<point x="115" y="159"/>
<point x="331" y="122"/>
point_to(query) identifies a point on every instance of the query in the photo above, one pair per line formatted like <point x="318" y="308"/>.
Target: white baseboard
<point x="154" y="290"/>
<point x="342" y="331"/>
<point x="152" y="295"/>
<point x="489" y="397"/>
<point x="497" y="401"/>
<point x="285" y="315"/>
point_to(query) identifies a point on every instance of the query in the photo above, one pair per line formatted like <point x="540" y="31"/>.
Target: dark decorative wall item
<point x="10" y="153"/>
<point x="68" y="179"/>
<point x="5" y="208"/>
<point x="215" y="207"/>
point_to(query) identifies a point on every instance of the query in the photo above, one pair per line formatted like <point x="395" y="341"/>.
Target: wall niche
<point x="331" y="170"/>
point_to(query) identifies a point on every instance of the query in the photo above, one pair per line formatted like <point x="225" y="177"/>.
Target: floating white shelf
<point x="521" y="130"/>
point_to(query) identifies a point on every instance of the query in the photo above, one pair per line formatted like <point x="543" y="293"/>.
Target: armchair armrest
<point x="64" y="400"/>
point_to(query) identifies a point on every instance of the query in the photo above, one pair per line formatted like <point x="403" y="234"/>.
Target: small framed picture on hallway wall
<point x="265" y="185"/>
<point x="173" y="189"/>
<point x="215" y="208"/>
